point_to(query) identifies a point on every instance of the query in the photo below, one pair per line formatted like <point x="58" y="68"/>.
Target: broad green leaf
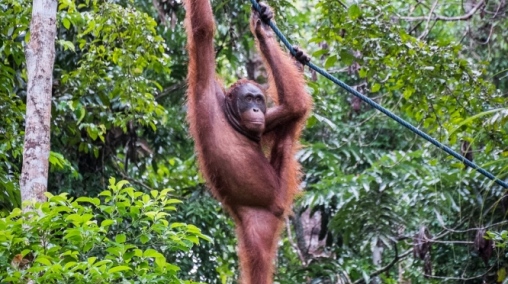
<point x="118" y="269"/>
<point x="120" y="238"/>
<point x="43" y="260"/>
<point x="66" y="23"/>
<point x="330" y="61"/>
<point x="354" y="11"/>
<point x="375" y="87"/>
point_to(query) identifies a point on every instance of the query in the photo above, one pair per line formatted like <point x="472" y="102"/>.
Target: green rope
<point x="375" y="105"/>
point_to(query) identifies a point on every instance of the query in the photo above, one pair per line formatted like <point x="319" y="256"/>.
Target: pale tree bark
<point x="377" y="257"/>
<point x="40" y="56"/>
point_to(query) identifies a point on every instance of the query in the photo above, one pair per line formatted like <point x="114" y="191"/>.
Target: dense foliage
<point x="373" y="192"/>
<point x="123" y="235"/>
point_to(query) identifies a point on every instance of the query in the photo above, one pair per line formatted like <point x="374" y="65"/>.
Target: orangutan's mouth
<point x="257" y="121"/>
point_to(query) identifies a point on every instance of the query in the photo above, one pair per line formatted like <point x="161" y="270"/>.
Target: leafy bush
<point x="121" y="237"/>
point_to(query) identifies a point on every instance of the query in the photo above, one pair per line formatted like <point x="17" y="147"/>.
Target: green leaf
<point x="376" y="87"/>
<point x="43" y="260"/>
<point x="91" y="260"/>
<point x="55" y="160"/>
<point x="471" y="118"/>
<point x="501" y="275"/>
<point x="105" y="193"/>
<point x="151" y="214"/>
<point x="177" y="225"/>
<point x="407" y="93"/>
<point x="118" y="269"/>
<point x="172" y="267"/>
<point x="112" y="181"/>
<point x="67" y="45"/>
<point x="144" y="238"/>
<point x="160" y="261"/>
<point x="102" y="262"/>
<point x="330" y="61"/>
<point x="94" y="201"/>
<point x="66" y="23"/>
<point x="193" y="239"/>
<point x="152" y="253"/>
<point x="362" y="73"/>
<point x="107" y="222"/>
<point x="346" y="57"/>
<point x="120" y="238"/>
<point x="92" y="132"/>
<point x="320" y="52"/>
<point x="354" y="12"/>
<point x="69" y="264"/>
<point x="121" y="183"/>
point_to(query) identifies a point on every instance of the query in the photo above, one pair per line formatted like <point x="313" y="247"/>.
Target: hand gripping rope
<point x="375" y="105"/>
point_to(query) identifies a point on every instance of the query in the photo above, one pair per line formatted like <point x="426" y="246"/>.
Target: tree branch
<point x="170" y="89"/>
<point x="446" y="278"/>
<point x="388" y="266"/>
<point x="427" y="25"/>
<point x="450" y="230"/>
<point x="160" y="12"/>
<point x="464" y="17"/>
<point x="293" y="244"/>
<point x="125" y="176"/>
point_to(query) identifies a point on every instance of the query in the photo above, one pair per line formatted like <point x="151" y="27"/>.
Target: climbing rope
<point x="375" y="105"/>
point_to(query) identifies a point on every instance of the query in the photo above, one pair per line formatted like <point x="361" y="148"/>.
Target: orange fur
<point x="256" y="189"/>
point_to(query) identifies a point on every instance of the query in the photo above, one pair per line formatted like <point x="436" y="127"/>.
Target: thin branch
<point x="496" y="12"/>
<point x="459" y="278"/>
<point x="465" y="34"/>
<point x="427" y="24"/>
<point x="170" y="90"/>
<point x="473" y="229"/>
<point x="160" y="12"/>
<point x="490" y="35"/>
<point x="125" y="176"/>
<point x="388" y="266"/>
<point x="413" y="8"/>
<point x="412" y="29"/>
<point x="223" y="40"/>
<point x="464" y="17"/>
<point x="293" y="244"/>
<point x="434" y="241"/>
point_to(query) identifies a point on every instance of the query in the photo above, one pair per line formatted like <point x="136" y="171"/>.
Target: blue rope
<point x="382" y="109"/>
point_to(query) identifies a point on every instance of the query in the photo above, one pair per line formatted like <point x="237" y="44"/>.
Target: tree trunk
<point x="40" y="56"/>
<point x="377" y="258"/>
